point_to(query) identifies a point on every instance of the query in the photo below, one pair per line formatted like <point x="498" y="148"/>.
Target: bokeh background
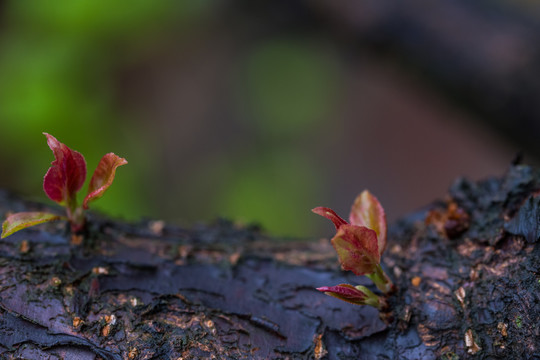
<point x="260" y="111"/>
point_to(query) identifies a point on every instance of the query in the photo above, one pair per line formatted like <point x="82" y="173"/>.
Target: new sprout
<point x="61" y="183"/>
<point x="359" y="244"/>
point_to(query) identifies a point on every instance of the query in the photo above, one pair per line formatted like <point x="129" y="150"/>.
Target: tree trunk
<point x="466" y="271"/>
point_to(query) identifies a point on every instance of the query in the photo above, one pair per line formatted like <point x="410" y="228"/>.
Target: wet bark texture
<point x="467" y="269"/>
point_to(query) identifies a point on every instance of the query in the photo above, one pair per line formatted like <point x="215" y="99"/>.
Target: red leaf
<point x="367" y="211"/>
<point x="330" y="215"/>
<point x="22" y="220"/>
<point x="345" y="292"/>
<point x="67" y="172"/>
<point x="103" y="177"/>
<point x="357" y="249"/>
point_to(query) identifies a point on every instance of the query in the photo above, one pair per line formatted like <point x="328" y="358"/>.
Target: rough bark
<point x="466" y="270"/>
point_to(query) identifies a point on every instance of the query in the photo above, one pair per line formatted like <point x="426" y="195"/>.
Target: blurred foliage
<point x="59" y="63"/>
<point x="286" y="91"/>
<point x="290" y="85"/>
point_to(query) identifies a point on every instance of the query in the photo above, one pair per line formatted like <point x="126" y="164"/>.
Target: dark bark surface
<point x="467" y="270"/>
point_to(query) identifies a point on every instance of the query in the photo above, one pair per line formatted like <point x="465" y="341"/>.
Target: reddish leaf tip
<point x="103" y="177"/>
<point x="346" y="293"/>
<point x="330" y="215"/>
<point x="323" y="288"/>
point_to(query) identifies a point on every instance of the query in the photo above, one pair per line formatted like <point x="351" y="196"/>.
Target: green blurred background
<point x="254" y="112"/>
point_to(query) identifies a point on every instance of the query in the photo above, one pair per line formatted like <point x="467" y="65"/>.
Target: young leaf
<point x="67" y="172"/>
<point x="330" y="215"/>
<point x="22" y="220"/>
<point x="367" y="211"/>
<point x="345" y="292"/>
<point x="103" y="177"/>
<point x="358" y="295"/>
<point x="357" y="249"/>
